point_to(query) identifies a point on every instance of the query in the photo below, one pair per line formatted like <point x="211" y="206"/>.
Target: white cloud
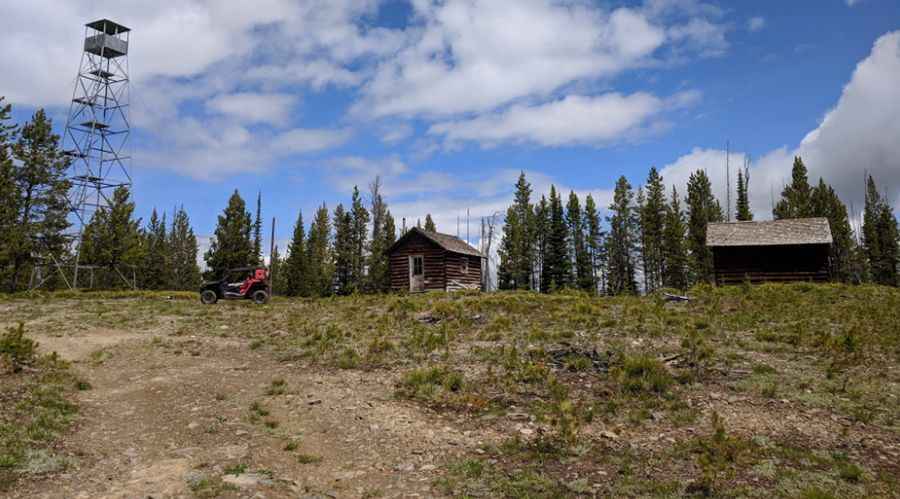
<point x="472" y="56"/>
<point x="572" y="120"/>
<point x="858" y="135"/>
<point x="756" y="23"/>
<point x="251" y="107"/>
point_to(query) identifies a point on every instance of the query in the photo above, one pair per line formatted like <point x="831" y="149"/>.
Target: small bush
<point x="16" y="350"/>
<point x="644" y="374"/>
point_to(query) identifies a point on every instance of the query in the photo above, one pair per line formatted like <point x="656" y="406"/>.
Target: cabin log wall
<point x="736" y="264"/>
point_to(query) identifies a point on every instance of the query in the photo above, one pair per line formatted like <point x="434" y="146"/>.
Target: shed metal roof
<point x="445" y="241"/>
<point x="789" y="232"/>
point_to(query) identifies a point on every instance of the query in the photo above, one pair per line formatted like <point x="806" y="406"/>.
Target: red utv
<point x="244" y="283"/>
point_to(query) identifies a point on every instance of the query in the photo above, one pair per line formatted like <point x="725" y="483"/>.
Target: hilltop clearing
<point x="785" y="391"/>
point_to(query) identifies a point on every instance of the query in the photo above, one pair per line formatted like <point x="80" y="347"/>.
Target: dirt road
<point x="201" y="416"/>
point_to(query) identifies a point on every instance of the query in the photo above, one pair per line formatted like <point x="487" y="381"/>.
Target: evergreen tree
<point x="9" y="192"/>
<point x="703" y="208"/>
<point x="582" y="275"/>
<point x="674" y="254"/>
<point x="541" y="226"/>
<point x="622" y="241"/>
<point x="652" y="220"/>
<point x="184" y="273"/>
<point x="557" y="263"/>
<point x="880" y="236"/>
<point x="295" y="265"/>
<point x="429" y="223"/>
<point x="378" y="278"/>
<point x="516" y="247"/>
<point x="277" y="273"/>
<point x="743" y="213"/>
<point x="155" y="267"/>
<point x="257" y="230"/>
<point x="231" y="245"/>
<point x="343" y="251"/>
<point x="389" y="235"/>
<point x="39" y="174"/>
<point x="796" y="198"/>
<point x="320" y="261"/>
<point x="596" y="248"/>
<point x="360" y="220"/>
<point x="507" y="252"/>
<point x="113" y="240"/>
<point x="827" y="204"/>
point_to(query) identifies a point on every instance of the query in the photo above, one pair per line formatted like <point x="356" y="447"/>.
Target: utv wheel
<point x="208" y="297"/>
<point x="260" y="297"/>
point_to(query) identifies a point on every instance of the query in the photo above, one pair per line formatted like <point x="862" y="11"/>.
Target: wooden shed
<point x="776" y="250"/>
<point x="430" y="261"/>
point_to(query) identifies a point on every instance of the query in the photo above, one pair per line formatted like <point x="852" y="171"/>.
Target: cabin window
<point x="418" y="266"/>
<point x="464" y="265"/>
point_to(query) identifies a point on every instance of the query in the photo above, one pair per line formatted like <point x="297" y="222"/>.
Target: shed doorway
<point x="416" y="273"/>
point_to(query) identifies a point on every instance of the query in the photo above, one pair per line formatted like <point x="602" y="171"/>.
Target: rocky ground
<point x="496" y="395"/>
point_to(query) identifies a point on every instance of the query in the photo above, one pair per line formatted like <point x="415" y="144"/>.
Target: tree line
<point x="116" y="250"/>
<point x="340" y="252"/>
<point x="648" y="236"/>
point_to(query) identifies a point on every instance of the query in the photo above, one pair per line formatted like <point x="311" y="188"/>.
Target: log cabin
<point x="430" y="261"/>
<point x="775" y="250"/>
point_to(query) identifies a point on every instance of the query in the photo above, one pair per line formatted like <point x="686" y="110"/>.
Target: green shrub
<point x="17" y="350"/>
<point x="644" y="374"/>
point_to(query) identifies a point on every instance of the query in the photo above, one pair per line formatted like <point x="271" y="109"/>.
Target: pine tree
<point x="557" y="263"/>
<point x="184" y="273"/>
<point x="389" y="235"/>
<point x="231" y="245"/>
<point x="582" y="275"/>
<point x="880" y="235"/>
<point x="506" y="278"/>
<point x="674" y="254"/>
<point x="541" y="238"/>
<point x="39" y="174"/>
<point x="827" y="204"/>
<point x="796" y="198"/>
<point x="113" y="240"/>
<point x="378" y="278"/>
<point x="743" y="213"/>
<point x="652" y="221"/>
<point x="703" y="208"/>
<point x="343" y="251"/>
<point x="277" y="272"/>
<point x="9" y="192"/>
<point x="318" y="248"/>
<point x="596" y="248"/>
<point x="429" y="223"/>
<point x="155" y="268"/>
<point x="523" y="241"/>
<point x="295" y="265"/>
<point x="622" y="241"/>
<point x="257" y="230"/>
<point x="360" y="220"/>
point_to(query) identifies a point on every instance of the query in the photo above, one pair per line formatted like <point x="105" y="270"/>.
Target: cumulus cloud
<point x="857" y="136"/>
<point x="251" y="107"/>
<point x="572" y="120"/>
<point x="509" y="50"/>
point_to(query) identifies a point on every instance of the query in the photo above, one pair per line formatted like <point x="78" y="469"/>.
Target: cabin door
<point x="416" y="273"/>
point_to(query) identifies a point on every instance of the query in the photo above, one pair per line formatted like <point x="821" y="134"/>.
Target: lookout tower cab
<point x="106" y="38"/>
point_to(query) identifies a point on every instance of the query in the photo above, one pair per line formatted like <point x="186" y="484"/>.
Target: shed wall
<point x="433" y="260"/>
<point x="771" y="263"/>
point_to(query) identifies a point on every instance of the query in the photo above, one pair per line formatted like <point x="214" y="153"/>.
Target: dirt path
<point x="200" y="416"/>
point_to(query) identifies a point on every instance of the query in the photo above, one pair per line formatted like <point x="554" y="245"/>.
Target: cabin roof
<point x="445" y="241"/>
<point x="788" y="232"/>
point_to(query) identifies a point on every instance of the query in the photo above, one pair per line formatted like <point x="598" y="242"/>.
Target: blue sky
<point x="448" y="100"/>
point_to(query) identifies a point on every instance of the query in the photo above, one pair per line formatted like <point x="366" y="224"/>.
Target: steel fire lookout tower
<point x="97" y="127"/>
